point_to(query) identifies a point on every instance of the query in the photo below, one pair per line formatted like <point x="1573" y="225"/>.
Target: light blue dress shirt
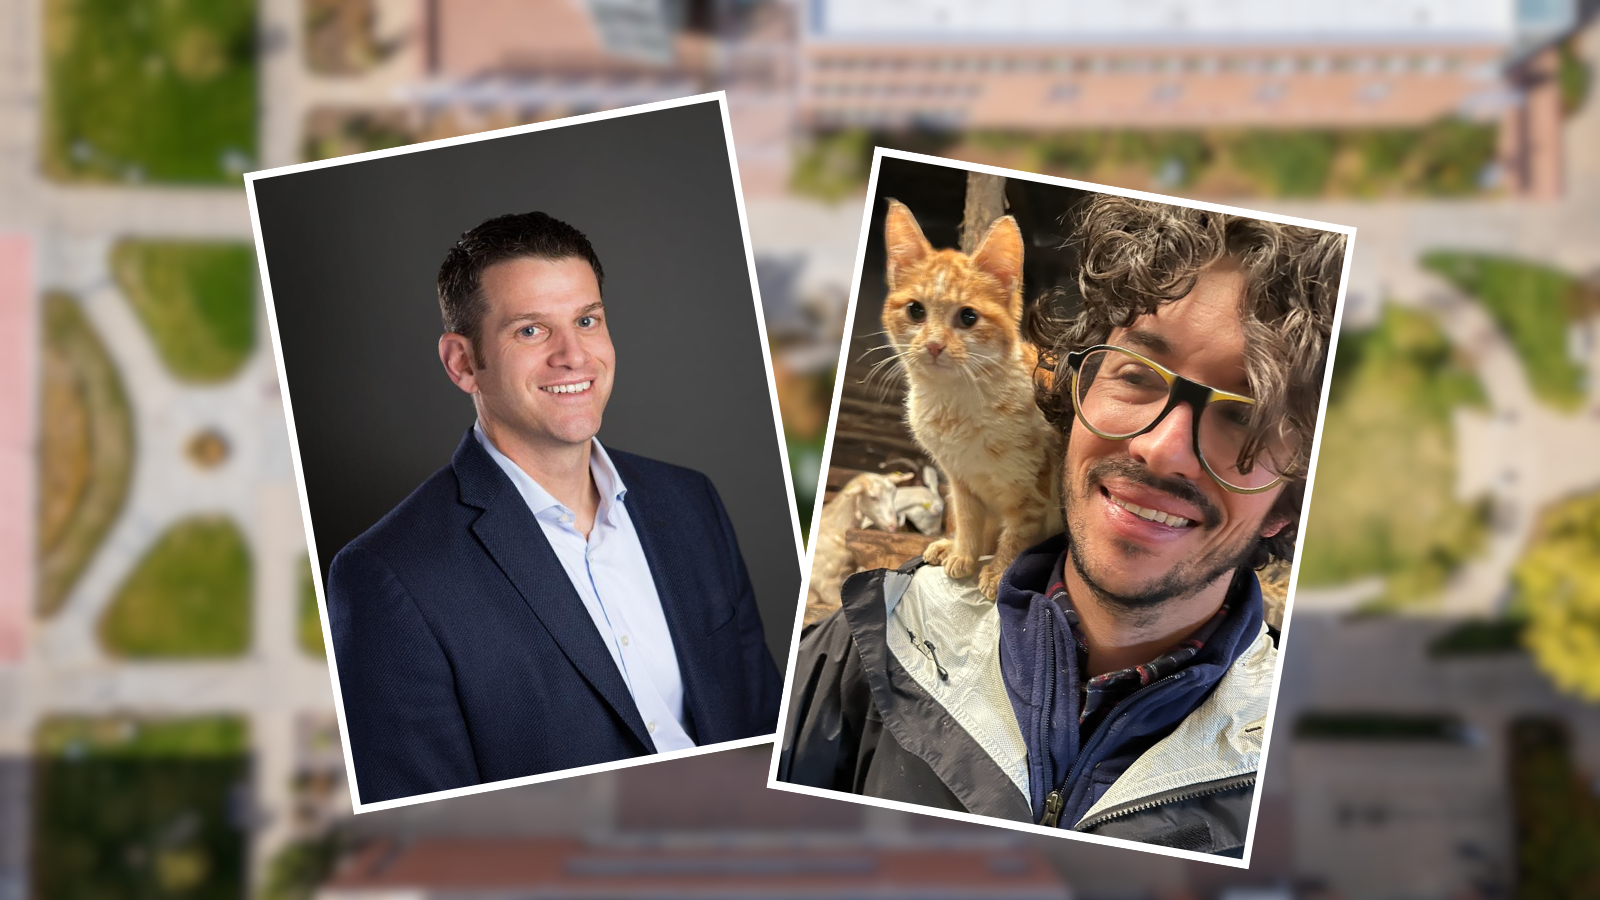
<point x="612" y="578"/>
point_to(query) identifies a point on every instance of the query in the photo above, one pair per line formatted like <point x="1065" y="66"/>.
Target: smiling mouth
<point x="577" y="388"/>
<point x="1149" y="515"/>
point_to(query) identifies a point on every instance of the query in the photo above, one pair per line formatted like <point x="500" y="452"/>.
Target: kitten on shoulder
<point x="955" y="323"/>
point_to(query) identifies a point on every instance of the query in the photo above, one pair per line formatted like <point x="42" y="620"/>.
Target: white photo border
<point x="721" y="99"/>
<point x="880" y="154"/>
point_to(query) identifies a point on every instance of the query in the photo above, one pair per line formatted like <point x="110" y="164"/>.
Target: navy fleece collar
<point x="1038" y="660"/>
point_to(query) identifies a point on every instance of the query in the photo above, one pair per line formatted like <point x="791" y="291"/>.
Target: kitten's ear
<point x="903" y="241"/>
<point x="1000" y="253"/>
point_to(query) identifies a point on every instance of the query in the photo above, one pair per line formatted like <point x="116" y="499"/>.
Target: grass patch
<point x="310" y="621"/>
<point x="140" y="808"/>
<point x="1445" y="158"/>
<point x="197" y="300"/>
<point x="211" y="737"/>
<point x="149" y="90"/>
<point x="1387" y="436"/>
<point x="1558" y="590"/>
<point x="86" y="448"/>
<point x="340" y="37"/>
<point x="835" y="164"/>
<point x="1287" y="163"/>
<point x="1574" y="77"/>
<point x="1557" y="816"/>
<point x="189" y="596"/>
<point x="302" y="867"/>
<point x="1479" y="637"/>
<point x="1533" y="305"/>
<point x="330" y="134"/>
<point x="1374" y="726"/>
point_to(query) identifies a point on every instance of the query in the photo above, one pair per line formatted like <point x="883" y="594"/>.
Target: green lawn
<point x="208" y="737"/>
<point x="1533" y="304"/>
<point x="1558" y="591"/>
<point x="1287" y="163"/>
<point x="310" y="623"/>
<point x="86" y="448"/>
<point x="197" y="300"/>
<point x="149" y="90"/>
<point x="1384" y="501"/>
<point x="189" y="597"/>
<point x="128" y="807"/>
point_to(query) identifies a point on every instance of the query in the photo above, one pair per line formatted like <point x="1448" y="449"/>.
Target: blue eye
<point x="586" y="322"/>
<point x="528" y="331"/>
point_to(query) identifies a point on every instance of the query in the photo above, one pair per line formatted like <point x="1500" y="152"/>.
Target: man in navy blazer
<point x="542" y="602"/>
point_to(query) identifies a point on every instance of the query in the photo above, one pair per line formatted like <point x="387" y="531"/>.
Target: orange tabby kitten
<point x="955" y="322"/>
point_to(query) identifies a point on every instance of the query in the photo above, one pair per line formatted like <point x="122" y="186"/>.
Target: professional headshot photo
<point x="1072" y="441"/>
<point x="548" y="511"/>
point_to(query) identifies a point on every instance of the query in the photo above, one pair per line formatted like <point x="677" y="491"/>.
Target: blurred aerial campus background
<point x="166" y="726"/>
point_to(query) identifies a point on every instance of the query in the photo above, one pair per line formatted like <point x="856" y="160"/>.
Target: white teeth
<point x="569" y="388"/>
<point x="1153" y="515"/>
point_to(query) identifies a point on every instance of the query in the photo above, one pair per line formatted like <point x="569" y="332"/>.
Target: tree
<point x="1558" y="589"/>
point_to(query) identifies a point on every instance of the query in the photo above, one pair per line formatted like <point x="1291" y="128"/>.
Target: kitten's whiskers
<point x="883" y="374"/>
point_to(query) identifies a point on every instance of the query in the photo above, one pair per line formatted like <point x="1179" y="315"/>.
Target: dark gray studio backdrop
<point x="353" y="251"/>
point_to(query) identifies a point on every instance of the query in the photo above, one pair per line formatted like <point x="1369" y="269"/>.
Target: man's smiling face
<point x="546" y="352"/>
<point x="1122" y="500"/>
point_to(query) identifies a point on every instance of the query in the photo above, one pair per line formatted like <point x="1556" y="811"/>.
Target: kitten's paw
<point x="989" y="581"/>
<point x="938" y="550"/>
<point x="958" y="566"/>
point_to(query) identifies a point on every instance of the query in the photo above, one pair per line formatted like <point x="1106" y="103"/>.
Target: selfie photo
<point x="1071" y="446"/>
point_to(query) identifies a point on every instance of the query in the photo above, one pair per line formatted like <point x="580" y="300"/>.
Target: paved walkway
<point x="65" y="672"/>
<point x="18" y="367"/>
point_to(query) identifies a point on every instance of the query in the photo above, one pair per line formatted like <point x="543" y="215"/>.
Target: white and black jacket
<point x="900" y="695"/>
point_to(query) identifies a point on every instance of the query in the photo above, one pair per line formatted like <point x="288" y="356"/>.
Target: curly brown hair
<point x="1136" y="255"/>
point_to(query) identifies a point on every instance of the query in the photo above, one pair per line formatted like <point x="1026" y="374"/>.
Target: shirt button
<point x="624" y="640"/>
<point x="651" y="727"/>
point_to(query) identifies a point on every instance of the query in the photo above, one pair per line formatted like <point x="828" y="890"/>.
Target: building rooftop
<point x="1185" y="21"/>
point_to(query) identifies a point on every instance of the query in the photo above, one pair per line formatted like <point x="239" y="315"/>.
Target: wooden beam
<point x="986" y="201"/>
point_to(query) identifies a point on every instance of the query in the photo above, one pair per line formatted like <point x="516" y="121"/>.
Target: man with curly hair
<point x="1120" y="683"/>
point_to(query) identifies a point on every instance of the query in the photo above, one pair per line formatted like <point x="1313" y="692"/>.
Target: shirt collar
<point x="606" y="479"/>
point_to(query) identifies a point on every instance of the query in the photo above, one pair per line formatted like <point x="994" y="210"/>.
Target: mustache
<point x="1128" y="470"/>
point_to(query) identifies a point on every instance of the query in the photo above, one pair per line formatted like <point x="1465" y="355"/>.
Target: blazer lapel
<point x="517" y="544"/>
<point x="673" y="564"/>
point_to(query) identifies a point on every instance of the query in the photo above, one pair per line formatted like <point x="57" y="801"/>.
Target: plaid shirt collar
<point x="1102" y="692"/>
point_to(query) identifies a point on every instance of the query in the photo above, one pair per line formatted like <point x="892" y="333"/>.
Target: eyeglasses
<point x="1120" y="395"/>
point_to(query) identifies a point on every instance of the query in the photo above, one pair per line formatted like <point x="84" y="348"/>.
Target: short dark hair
<point x="533" y="235"/>
<point x="1136" y="255"/>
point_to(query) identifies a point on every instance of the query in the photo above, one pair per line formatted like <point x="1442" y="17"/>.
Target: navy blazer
<point x="465" y="655"/>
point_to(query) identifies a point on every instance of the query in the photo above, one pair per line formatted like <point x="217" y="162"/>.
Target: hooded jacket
<point x="902" y="695"/>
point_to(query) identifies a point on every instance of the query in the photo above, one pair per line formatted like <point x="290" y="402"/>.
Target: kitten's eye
<point x="968" y="317"/>
<point x="916" y="311"/>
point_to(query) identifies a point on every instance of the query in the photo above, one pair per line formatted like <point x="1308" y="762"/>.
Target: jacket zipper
<point x="1057" y="800"/>
<point x="1053" y="802"/>
<point x="1214" y="787"/>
